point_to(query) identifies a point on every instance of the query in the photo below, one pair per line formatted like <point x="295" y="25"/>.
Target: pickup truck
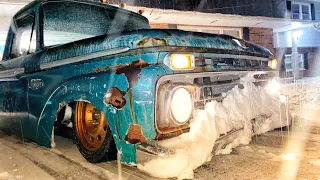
<point x="100" y="72"/>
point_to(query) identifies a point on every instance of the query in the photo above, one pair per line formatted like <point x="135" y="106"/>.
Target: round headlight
<point x="181" y="106"/>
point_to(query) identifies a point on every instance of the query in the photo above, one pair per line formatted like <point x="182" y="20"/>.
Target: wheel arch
<point x="58" y="99"/>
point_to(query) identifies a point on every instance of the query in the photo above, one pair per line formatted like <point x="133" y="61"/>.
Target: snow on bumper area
<point x="236" y="111"/>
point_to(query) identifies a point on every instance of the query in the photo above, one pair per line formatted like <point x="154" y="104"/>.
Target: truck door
<point x="14" y="116"/>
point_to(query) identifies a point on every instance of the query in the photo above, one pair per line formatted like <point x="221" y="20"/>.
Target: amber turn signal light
<point x="182" y="61"/>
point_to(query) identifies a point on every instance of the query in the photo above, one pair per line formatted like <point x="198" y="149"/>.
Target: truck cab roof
<point x="39" y="2"/>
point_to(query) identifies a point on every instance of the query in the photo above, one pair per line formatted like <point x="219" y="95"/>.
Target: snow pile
<point x="236" y="111"/>
<point x="315" y="162"/>
<point x="192" y="150"/>
<point x="303" y="98"/>
<point x="303" y="94"/>
<point x="6" y="176"/>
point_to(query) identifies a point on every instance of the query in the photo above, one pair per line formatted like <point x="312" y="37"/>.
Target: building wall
<point x="311" y="64"/>
<point x="317" y="10"/>
<point x="159" y="26"/>
<point x="262" y="37"/>
<point x="309" y="37"/>
<point x="315" y="3"/>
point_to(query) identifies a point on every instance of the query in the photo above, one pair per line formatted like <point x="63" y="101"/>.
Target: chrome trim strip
<point x="240" y="57"/>
<point x="11" y="73"/>
<point x="83" y="57"/>
<point x="8" y="79"/>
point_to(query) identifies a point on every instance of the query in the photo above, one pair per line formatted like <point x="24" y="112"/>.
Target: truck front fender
<point x="91" y="88"/>
<point x="94" y="88"/>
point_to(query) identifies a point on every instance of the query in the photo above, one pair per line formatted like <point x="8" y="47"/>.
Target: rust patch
<point x="134" y="134"/>
<point x="115" y="98"/>
<point x="131" y="71"/>
<point x="131" y="106"/>
<point x="148" y="42"/>
<point x="96" y="70"/>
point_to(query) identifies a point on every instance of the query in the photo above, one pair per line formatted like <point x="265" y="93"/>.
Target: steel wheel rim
<point x="91" y="126"/>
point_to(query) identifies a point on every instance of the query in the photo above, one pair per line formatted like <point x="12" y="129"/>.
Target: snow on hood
<point x="236" y="111"/>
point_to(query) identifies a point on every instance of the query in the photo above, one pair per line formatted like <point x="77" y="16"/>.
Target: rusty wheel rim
<point x="91" y="126"/>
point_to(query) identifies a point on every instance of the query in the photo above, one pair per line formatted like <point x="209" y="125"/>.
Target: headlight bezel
<point x="164" y="122"/>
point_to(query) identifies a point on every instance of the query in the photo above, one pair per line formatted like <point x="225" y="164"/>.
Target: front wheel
<point x="92" y="134"/>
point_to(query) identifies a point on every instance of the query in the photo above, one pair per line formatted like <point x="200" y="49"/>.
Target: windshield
<point x="68" y="21"/>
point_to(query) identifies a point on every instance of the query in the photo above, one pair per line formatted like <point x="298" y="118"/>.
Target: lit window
<point x="288" y="62"/>
<point x="301" y="11"/>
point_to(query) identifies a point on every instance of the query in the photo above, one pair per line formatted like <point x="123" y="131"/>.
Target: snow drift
<point x="247" y="109"/>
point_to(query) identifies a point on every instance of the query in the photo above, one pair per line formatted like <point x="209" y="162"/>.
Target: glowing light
<point x="182" y="61"/>
<point x="283" y="99"/>
<point x="123" y="5"/>
<point x="288" y="156"/>
<point x="181" y="105"/>
<point x="273" y="86"/>
<point x="141" y="11"/>
<point x="273" y="64"/>
<point x="297" y="34"/>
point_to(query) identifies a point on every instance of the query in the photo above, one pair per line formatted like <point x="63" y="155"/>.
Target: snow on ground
<point x="14" y="166"/>
<point x="303" y="96"/>
<point x="237" y="110"/>
<point x="29" y="161"/>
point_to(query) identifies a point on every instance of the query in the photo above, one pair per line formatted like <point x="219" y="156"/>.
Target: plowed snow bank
<point x="236" y="111"/>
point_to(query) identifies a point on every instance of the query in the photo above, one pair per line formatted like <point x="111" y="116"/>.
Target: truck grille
<point x="203" y="87"/>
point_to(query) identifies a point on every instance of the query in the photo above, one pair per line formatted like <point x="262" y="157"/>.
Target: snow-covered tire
<point x="92" y="152"/>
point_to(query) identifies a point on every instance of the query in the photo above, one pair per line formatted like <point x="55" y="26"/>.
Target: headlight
<point x="180" y="62"/>
<point x="181" y="106"/>
<point x="273" y="64"/>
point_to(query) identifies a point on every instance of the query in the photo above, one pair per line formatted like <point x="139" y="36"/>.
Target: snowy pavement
<point x="263" y="158"/>
<point x="266" y="158"/>
<point x="29" y="161"/>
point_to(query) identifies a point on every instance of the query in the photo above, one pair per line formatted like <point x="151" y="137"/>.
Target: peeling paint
<point x="61" y="105"/>
<point x="134" y="134"/>
<point x="143" y="102"/>
<point x="115" y="98"/>
<point x="53" y="144"/>
<point x="131" y="71"/>
<point x="131" y="106"/>
<point x="103" y="69"/>
<point x="149" y="42"/>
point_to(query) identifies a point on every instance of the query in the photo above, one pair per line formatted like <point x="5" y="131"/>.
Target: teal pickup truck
<point x="100" y="73"/>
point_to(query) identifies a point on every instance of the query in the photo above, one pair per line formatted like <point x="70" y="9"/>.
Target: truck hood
<point x="156" y="39"/>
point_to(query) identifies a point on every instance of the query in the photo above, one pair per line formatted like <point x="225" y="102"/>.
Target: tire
<point x="94" y="140"/>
